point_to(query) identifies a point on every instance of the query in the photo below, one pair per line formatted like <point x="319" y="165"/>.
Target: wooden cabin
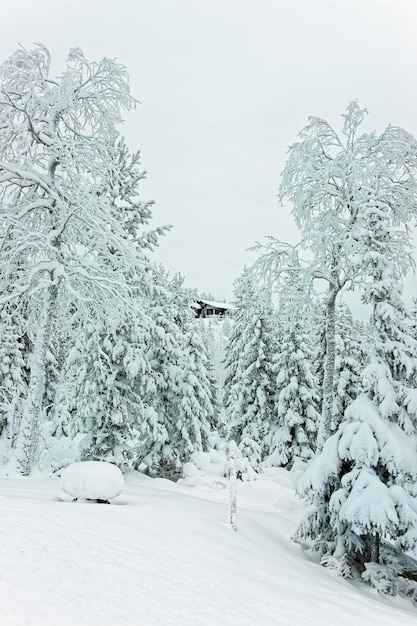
<point x="206" y="308"/>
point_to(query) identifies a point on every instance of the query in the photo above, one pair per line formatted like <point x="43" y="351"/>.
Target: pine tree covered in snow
<point x="106" y="376"/>
<point x="14" y="348"/>
<point x="182" y="395"/>
<point x="141" y="391"/>
<point x="249" y="378"/>
<point x="349" y="362"/>
<point x="413" y="318"/>
<point x="293" y="430"/>
<point x="362" y="486"/>
<point x="351" y="339"/>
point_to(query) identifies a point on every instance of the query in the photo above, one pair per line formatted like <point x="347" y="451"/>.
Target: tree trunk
<point x="374" y="541"/>
<point x="27" y="445"/>
<point x="329" y="365"/>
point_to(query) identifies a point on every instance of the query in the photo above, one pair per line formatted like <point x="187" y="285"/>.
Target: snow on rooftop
<point x="216" y="305"/>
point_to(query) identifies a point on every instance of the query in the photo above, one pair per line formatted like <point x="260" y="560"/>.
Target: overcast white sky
<point x="225" y="86"/>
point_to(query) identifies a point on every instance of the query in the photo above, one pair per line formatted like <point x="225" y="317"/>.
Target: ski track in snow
<point x="164" y="554"/>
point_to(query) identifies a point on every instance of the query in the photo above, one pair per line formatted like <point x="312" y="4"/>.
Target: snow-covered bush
<point x="191" y="475"/>
<point x="92" y="480"/>
<point x="238" y="463"/>
<point x="201" y="460"/>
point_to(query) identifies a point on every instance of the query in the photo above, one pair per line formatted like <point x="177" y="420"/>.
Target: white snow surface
<point x="92" y="480"/>
<point x="163" y="553"/>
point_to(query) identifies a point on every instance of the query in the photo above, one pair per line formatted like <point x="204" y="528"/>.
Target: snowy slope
<point x="164" y="553"/>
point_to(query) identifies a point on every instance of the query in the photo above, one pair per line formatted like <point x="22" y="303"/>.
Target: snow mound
<point x="189" y="470"/>
<point x="266" y="495"/>
<point x="92" y="480"/>
<point x="191" y="475"/>
<point x="201" y="460"/>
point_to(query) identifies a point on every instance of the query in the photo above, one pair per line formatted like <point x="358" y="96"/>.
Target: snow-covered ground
<point x="164" y="553"/>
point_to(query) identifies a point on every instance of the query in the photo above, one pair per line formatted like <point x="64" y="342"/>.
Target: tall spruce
<point x="14" y="352"/>
<point x="249" y="377"/>
<point x="349" y="362"/>
<point x="182" y="396"/>
<point x="293" y="429"/>
<point x="106" y="377"/>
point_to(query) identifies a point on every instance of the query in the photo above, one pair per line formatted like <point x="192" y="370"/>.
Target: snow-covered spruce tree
<point x="330" y="179"/>
<point x="350" y="341"/>
<point x="249" y="381"/>
<point x="293" y="430"/>
<point x="197" y="414"/>
<point x="362" y="487"/>
<point x="413" y="318"/>
<point x="182" y="395"/>
<point x="349" y="362"/>
<point x="14" y="351"/>
<point x="63" y="233"/>
<point x="106" y="377"/>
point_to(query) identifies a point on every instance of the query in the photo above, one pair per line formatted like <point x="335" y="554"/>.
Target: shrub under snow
<point x="92" y="480"/>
